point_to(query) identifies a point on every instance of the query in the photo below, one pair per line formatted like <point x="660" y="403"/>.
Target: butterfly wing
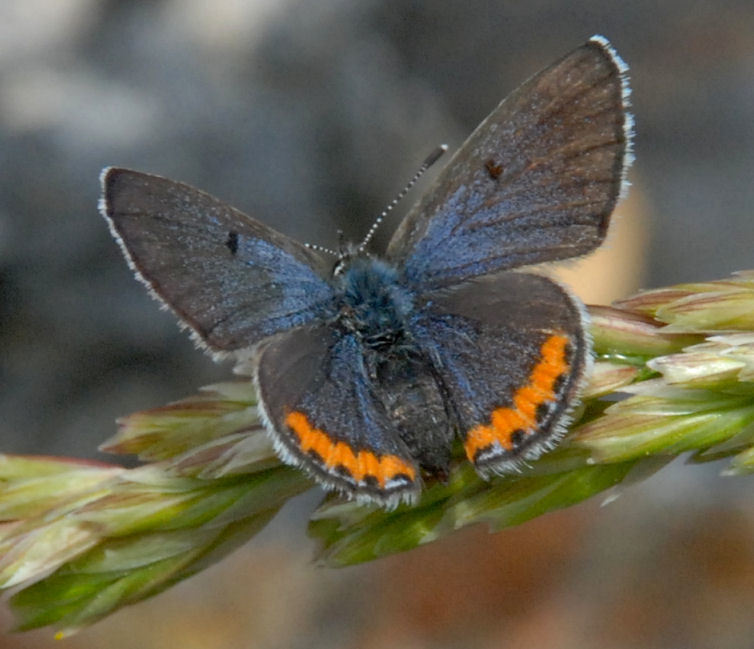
<point x="535" y="182"/>
<point x="511" y="352"/>
<point x="324" y="415"/>
<point x="232" y="280"/>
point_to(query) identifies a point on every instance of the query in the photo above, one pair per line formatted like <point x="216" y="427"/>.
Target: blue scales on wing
<point x="535" y="182"/>
<point x="231" y="279"/>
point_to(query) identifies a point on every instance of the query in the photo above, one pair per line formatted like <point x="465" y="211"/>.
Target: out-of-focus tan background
<point x="310" y="116"/>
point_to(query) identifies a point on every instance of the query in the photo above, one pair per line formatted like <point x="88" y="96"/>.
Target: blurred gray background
<point x="310" y="116"/>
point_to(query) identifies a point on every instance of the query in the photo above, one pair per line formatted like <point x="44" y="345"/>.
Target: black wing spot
<point x="343" y="470"/>
<point x="371" y="481"/>
<point x="232" y="242"/>
<point x="494" y="169"/>
<point x="517" y="437"/>
<point x="559" y="383"/>
<point x="543" y="409"/>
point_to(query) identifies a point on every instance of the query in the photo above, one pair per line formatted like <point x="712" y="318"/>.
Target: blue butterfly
<point x="369" y="368"/>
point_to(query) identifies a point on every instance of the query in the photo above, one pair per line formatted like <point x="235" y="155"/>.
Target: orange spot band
<point x="333" y="453"/>
<point x="523" y="415"/>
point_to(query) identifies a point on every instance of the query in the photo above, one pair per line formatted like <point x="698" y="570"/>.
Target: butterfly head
<point x="348" y="253"/>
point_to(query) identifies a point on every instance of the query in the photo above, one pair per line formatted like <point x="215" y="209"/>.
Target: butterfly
<point x="368" y="369"/>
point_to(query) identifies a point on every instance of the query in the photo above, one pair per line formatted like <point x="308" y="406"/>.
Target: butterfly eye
<point x="340" y="267"/>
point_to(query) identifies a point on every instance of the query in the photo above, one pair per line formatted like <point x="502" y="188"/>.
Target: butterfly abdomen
<point x="417" y="409"/>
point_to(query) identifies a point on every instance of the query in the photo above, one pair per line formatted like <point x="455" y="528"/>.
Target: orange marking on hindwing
<point x="522" y="416"/>
<point x="334" y="453"/>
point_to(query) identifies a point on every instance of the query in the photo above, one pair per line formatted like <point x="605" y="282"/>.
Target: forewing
<point x="232" y="280"/>
<point x="325" y="417"/>
<point x="511" y="351"/>
<point x="535" y="182"/>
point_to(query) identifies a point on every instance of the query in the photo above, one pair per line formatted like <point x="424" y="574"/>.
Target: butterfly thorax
<point x="372" y="303"/>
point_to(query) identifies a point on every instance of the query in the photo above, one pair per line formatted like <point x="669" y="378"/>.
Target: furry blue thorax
<point x="373" y="303"/>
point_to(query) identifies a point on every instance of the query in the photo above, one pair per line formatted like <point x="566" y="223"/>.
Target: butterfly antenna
<point x="428" y="162"/>
<point x="317" y="248"/>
